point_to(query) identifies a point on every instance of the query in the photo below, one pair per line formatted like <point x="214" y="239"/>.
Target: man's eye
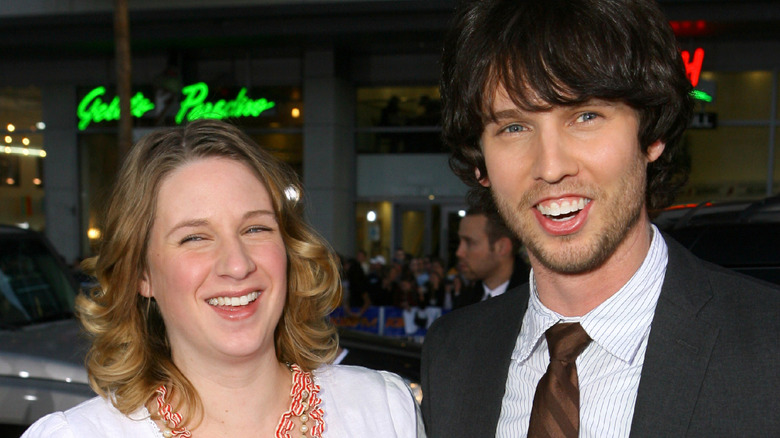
<point x="514" y="128"/>
<point x="587" y="117"/>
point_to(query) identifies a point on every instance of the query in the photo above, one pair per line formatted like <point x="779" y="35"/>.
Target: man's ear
<point x="484" y="181"/>
<point x="145" y="287"/>
<point x="503" y="245"/>
<point x="655" y="150"/>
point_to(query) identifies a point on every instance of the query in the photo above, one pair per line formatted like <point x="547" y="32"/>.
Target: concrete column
<point x="60" y="170"/>
<point x="329" y="150"/>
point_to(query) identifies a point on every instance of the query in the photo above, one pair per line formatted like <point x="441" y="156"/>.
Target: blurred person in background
<point x="488" y="256"/>
<point x="211" y="314"/>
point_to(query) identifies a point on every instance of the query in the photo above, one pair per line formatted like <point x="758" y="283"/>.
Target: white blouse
<point x="358" y="402"/>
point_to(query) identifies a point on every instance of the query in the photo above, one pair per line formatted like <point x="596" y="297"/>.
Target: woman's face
<point x="217" y="262"/>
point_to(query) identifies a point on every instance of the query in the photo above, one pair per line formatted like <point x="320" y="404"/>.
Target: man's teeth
<point x="562" y="208"/>
<point x="234" y="301"/>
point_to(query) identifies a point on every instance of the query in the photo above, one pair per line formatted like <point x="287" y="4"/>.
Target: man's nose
<point x="553" y="159"/>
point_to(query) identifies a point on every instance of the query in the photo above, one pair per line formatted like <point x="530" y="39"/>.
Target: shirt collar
<point x="619" y="324"/>
<point x="501" y="288"/>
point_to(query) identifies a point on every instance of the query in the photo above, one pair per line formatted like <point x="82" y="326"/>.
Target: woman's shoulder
<point x="348" y="378"/>
<point x="96" y="417"/>
<point x="381" y="398"/>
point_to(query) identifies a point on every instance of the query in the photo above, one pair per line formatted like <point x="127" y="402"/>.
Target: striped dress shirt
<point x="609" y="369"/>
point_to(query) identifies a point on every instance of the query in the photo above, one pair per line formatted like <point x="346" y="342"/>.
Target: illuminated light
<point x="10" y="181"/>
<point x="94" y="233"/>
<point x="292" y="193"/>
<point x="10" y="127"/>
<point x="693" y="66"/>
<point x="295" y="113"/>
<point x="26" y="141"/>
<point x="24" y="226"/>
<point x="371" y="216"/>
<point x="37" y="181"/>
<point x="68" y="380"/>
<point x="431" y="197"/>
<point x="701" y="24"/>
<point x="462" y="213"/>
<point x="24" y="374"/>
<point x="194" y="105"/>
<point x="40" y="125"/>
<point x="24" y="151"/>
<point x="8" y="139"/>
<point x="30" y="397"/>
<point x="93" y="109"/>
<point x="416" y="390"/>
<point x="700" y="95"/>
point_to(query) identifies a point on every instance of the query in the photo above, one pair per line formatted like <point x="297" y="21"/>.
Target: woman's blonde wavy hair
<point x="130" y="356"/>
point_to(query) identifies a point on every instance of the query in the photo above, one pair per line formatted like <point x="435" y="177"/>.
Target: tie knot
<point x="566" y="341"/>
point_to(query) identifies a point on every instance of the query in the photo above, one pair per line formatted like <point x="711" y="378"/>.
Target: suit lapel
<point x="678" y="350"/>
<point x="494" y="351"/>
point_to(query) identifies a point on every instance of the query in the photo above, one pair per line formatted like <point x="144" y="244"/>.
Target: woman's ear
<point x="145" y="287"/>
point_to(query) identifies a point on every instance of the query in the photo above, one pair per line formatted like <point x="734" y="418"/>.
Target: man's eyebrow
<point x="512" y="113"/>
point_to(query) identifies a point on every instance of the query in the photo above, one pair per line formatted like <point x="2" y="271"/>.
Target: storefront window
<point x="727" y="162"/>
<point x="729" y="141"/>
<point x="21" y="155"/>
<point x="398" y="120"/>
<point x="776" y="173"/>
<point x="739" y="95"/>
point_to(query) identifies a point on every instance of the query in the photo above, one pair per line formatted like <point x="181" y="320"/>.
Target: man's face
<point x="570" y="181"/>
<point x="476" y="258"/>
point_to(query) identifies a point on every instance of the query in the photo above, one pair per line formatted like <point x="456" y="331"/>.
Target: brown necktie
<point x="556" y="408"/>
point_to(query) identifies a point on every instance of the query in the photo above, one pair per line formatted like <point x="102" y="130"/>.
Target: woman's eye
<point x="257" y="229"/>
<point x="191" y="238"/>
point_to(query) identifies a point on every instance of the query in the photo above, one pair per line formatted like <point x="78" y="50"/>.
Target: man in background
<point x="488" y="257"/>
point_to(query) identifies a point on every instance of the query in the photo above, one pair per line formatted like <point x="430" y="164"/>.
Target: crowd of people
<point x="403" y="281"/>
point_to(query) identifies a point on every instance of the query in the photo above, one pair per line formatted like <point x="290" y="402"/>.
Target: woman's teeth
<point x="234" y="301"/>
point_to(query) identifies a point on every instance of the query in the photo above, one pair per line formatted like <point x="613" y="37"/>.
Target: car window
<point x="34" y="287"/>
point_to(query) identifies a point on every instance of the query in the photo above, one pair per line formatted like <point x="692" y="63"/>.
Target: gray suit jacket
<point x="711" y="366"/>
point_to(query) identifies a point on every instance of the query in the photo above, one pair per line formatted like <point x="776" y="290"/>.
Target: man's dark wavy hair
<point x="565" y="52"/>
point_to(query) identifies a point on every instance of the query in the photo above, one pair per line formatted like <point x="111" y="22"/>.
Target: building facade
<point x="344" y="91"/>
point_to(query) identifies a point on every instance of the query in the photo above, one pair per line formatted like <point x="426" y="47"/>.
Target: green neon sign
<point x="94" y="109"/>
<point x="700" y="95"/>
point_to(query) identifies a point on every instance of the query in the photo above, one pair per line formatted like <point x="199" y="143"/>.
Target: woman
<point x="211" y="315"/>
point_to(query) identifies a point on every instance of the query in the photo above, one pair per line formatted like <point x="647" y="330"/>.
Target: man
<point x="488" y="257"/>
<point x="566" y="116"/>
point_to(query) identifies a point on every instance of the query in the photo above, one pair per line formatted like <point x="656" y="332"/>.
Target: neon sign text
<point x="693" y="66"/>
<point x="94" y="109"/>
<point x="194" y="105"/>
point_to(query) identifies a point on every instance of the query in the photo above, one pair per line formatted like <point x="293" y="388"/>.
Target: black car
<point x="743" y="236"/>
<point x="41" y="351"/>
